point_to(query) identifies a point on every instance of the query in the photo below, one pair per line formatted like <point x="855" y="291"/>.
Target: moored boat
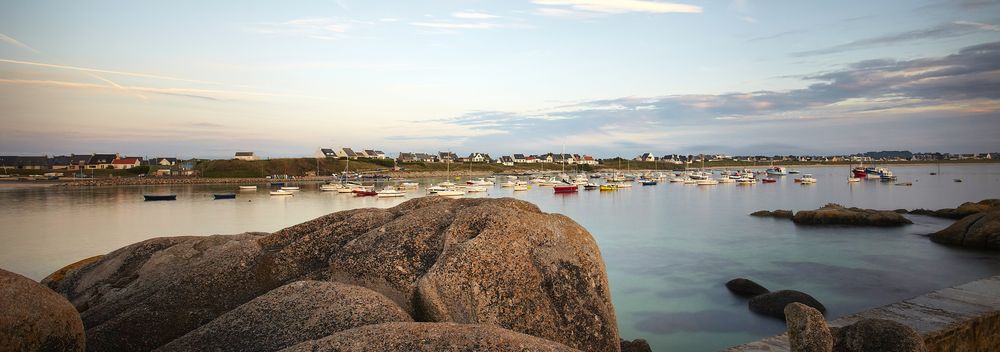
<point x="806" y="179"/>
<point x="590" y="186"/>
<point x="769" y="180"/>
<point x="450" y="193"/>
<point x="280" y="193"/>
<point x="155" y="197"/>
<point x="390" y="192"/>
<point x="289" y="188"/>
<point x="708" y="182"/>
<point x="565" y="188"/>
<point x="247" y="188"/>
<point x="520" y="187"/>
<point x="649" y="183"/>
<point x="225" y="196"/>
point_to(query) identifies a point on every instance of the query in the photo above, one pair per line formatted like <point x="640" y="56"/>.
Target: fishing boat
<point x="225" y="196"/>
<point x="364" y="192"/>
<point x="565" y="188"/>
<point x="777" y="171"/>
<point x="590" y="186"/>
<point x="390" y="192"/>
<point x="887" y="176"/>
<point x="649" y="183"/>
<point x="155" y="197"/>
<point x="806" y="179"/>
<point x="289" y="188"/>
<point x="248" y="188"/>
<point x="769" y="180"/>
<point x="280" y="193"/>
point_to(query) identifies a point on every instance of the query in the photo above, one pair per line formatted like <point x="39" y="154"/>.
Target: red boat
<point x="769" y="180"/>
<point x="565" y="189"/>
<point x="859" y="172"/>
<point x="365" y="193"/>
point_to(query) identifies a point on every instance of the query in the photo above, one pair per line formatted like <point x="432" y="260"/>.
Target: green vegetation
<point x="138" y="170"/>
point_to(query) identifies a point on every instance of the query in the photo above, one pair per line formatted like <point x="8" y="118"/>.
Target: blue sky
<point x="604" y="77"/>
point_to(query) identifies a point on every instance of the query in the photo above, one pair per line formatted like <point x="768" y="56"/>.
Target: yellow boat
<point x="608" y="188"/>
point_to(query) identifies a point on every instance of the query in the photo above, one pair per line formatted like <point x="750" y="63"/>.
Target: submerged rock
<point x="500" y="262"/>
<point x="637" y="345"/>
<point x="33" y="318"/>
<point x="966" y="209"/>
<point x="877" y="335"/>
<point x="745" y="287"/>
<point x="807" y="329"/>
<point x="429" y="337"/>
<point x="773" y="303"/>
<point x="980" y="230"/>
<point x="835" y="214"/>
<point x="781" y="214"/>
<point x="293" y="313"/>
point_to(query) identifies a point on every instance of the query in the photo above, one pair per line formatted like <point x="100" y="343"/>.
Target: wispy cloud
<point x="10" y="40"/>
<point x="96" y="70"/>
<point x="613" y="7"/>
<point x="456" y="25"/>
<point x="945" y="30"/>
<point x="323" y="28"/>
<point x="473" y="15"/>
<point x="207" y="94"/>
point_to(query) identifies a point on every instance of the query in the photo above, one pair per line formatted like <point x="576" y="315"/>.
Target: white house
<point x="248" y="156"/>
<point x="326" y="153"/>
<point x="506" y="161"/>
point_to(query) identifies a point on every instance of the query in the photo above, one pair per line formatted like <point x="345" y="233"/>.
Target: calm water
<point x="669" y="248"/>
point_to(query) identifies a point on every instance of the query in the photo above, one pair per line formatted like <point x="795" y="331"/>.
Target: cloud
<point x="323" y="28"/>
<point x="95" y="70"/>
<point x="945" y="30"/>
<point x="883" y="93"/>
<point x="473" y="15"/>
<point x="206" y="94"/>
<point x="622" y="6"/>
<point x="456" y="25"/>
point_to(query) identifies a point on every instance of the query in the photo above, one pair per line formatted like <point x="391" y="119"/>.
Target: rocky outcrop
<point x="499" y="262"/>
<point x="980" y="230"/>
<point x="780" y="214"/>
<point x="429" y="337"/>
<point x="33" y="318"/>
<point x="966" y="209"/>
<point x="878" y="335"/>
<point x="293" y="313"/>
<point x="745" y="287"/>
<point x="807" y="329"/>
<point x="773" y="303"/>
<point x="835" y="214"/>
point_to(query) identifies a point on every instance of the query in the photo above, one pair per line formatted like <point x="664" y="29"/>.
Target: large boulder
<point x="877" y="335"/>
<point x="980" y="230"/>
<point x="807" y="329"/>
<point x="293" y="313"/>
<point x="637" y="345"/>
<point x="34" y="318"/>
<point x="773" y="303"/>
<point x="835" y="214"/>
<point x="781" y="214"/>
<point x="745" y="287"/>
<point x="429" y="337"/>
<point x="483" y="261"/>
<point x="961" y="211"/>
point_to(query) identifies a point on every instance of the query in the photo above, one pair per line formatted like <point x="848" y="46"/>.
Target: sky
<point x="599" y="77"/>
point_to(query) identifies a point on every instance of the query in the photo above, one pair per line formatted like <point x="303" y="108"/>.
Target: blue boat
<point x="160" y="197"/>
<point x="225" y="196"/>
<point x="278" y="184"/>
<point x="649" y="183"/>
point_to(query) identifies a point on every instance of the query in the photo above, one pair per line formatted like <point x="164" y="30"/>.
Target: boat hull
<point x="151" y="198"/>
<point x="225" y="196"/>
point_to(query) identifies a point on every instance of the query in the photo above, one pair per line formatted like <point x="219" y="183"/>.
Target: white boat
<point x="623" y="185"/>
<point x="853" y="179"/>
<point x="289" y="188"/>
<point x="479" y="182"/>
<point x="409" y="185"/>
<point x="390" y="192"/>
<point x="676" y="180"/>
<point x="446" y="184"/>
<point x="436" y="189"/>
<point x="450" y="193"/>
<point x="345" y="190"/>
<point x="280" y="193"/>
<point x="538" y="180"/>
<point x="708" y="182"/>
<point x="727" y="180"/>
<point x="507" y="184"/>
<point x="475" y="189"/>
<point x="245" y="188"/>
<point x="806" y="179"/>
<point x="520" y="188"/>
<point x="690" y="181"/>
<point x="330" y="187"/>
<point x="746" y="181"/>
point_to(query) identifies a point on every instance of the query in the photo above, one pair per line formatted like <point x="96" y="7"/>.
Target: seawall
<point x="961" y="318"/>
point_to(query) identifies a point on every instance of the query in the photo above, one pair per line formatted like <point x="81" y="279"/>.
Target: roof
<point x="33" y="160"/>
<point x="327" y="151"/>
<point x="125" y="161"/>
<point x="349" y="152"/>
<point x="244" y="153"/>
<point x="77" y="159"/>
<point x="102" y="158"/>
<point x="518" y="156"/>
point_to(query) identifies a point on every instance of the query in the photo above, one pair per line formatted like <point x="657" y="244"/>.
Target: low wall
<point x="960" y="318"/>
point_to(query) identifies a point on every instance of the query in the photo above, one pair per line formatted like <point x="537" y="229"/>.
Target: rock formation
<point x="807" y="329"/>
<point x="961" y="211"/>
<point x="33" y="318"/>
<point x="501" y="266"/>
<point x="745" y="287"/>
<point x="835" y="214"/>
<point x="773" y="303"/>
<point x="878" y="335"/>
<point x="979" y="230"/>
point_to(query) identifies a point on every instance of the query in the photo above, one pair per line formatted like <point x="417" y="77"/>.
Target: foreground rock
<point x="878" y="335"/>
<point x="966" y="209"/>
<point x="637" y="345"/>
<point x="499" y="262"/>
<point x="297" y="312"/>
<point x="745" y="287"/>
<point x="980" y="230"/>
<point x="773" y="303"/>
<point x="807" y="329"/>
<point x="33" y="318"/>
<point x="835" y="214"/>
<point x="429" y="337"/>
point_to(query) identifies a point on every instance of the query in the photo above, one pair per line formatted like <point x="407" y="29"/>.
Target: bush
<point x="138" y="170"/>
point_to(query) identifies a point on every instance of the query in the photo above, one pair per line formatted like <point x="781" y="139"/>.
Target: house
<point x="506" y="160"/>
<point x="531" y="159"/>
<point x="427" y="158"/>
<point x="479" y="158"/>
<point x="247" y="156"/>
<point x="447" y="157"/>
<point x="101" y="161"/>
<point x="374" y="154"/>
<point x="407" y="157"/>
<point x="519" y="159"/>
<point x="125" y="163"/>
<point x="165" y="161"/>
<point x="346" y="153"/>
<point x="26" y="162"/>
<point x="645" y="157"/>
<point x="326" y="153"/>
<point x="588" y="160"/>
